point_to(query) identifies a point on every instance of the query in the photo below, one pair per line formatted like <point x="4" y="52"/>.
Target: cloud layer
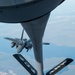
<point x="10" y="72"/>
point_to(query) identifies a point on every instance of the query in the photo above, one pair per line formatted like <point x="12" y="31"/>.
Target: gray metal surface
<point x="13" y="2"/>
<point x="35" y="29"/>
<point x="27" y="11"/>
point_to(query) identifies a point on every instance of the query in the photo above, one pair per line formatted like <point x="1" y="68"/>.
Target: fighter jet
<point x="21" y="43"/>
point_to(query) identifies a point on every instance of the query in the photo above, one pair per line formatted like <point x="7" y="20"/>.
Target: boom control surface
<point x="25" y="64"/>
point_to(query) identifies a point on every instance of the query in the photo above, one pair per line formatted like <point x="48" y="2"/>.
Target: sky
<point x="60" y="33"/>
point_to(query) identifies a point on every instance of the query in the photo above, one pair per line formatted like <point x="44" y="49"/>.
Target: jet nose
<point x="19" y="49"/>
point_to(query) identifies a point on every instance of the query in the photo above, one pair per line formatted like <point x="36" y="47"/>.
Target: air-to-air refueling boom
<point x="33" y="16"/>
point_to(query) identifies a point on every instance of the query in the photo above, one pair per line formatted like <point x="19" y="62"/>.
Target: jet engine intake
<point x="29" y="46"/>
<point x="13" y="44"/>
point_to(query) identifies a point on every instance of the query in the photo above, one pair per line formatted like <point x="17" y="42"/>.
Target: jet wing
<point x="46" y="43"/>
<point x="11" y="39"/>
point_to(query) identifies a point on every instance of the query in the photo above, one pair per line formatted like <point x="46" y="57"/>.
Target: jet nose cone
<point x="19" y="49"/>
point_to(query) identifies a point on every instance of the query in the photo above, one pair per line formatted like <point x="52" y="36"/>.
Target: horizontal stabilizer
<point x="25" y="64"/>
<point x="60" y="66"/>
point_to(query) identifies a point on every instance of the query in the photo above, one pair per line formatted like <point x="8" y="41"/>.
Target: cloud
<point x="8" y="68"/>
<point x="9" y="72"/>
<point x="3" y="73"/>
